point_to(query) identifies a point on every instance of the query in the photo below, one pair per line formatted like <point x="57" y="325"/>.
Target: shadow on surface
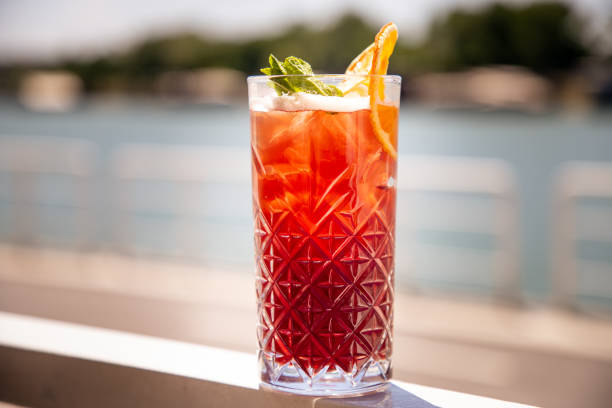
<point x="391" y="396"/>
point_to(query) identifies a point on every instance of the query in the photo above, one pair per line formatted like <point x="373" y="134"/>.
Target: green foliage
<point x="329" y="49"/>
<point x="544" y="36"/>
<point x="301" y="83"/>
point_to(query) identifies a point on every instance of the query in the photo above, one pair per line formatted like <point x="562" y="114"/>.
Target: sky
<point x="49" y="29"/>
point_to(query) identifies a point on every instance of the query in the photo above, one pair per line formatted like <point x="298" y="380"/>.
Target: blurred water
<point x="533" y="146"/>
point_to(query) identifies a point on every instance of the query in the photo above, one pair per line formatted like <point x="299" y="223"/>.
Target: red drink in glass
<point x="324" y="205"/>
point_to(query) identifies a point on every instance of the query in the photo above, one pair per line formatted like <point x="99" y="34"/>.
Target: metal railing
<point x="576" y="181"/>
<point x="193" y="201"/>
<point x="465" y="179"/>
<point x="25" y="160"/>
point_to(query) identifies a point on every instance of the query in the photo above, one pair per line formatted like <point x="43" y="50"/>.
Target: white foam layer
<point x="303" y="101"/>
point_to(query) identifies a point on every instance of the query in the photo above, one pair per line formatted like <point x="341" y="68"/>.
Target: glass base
<point x="328" y="382"/>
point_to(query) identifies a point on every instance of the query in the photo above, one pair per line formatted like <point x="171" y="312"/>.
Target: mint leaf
<point x="281" y="85"/>
<point x="296" y="66"/>
<point x="305" y="82"/>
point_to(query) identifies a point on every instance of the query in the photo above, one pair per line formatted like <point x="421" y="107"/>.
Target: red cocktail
<point x="324" y="205"/>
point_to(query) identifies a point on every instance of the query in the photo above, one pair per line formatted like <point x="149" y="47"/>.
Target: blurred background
<point x="124" y="168"/>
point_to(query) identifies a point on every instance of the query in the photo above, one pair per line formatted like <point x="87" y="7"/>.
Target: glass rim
<point x="386" y="77"/>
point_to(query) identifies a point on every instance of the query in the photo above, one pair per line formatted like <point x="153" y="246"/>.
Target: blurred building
<point x="220" y="86"/>
<point x="505" y="87"/>
<point x="50" y="91"/>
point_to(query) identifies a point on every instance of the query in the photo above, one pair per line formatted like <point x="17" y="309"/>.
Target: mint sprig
<point x="305" y="82"/>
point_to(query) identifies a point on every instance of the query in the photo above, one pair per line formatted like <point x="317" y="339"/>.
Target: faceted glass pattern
<point x="325" y="299"/>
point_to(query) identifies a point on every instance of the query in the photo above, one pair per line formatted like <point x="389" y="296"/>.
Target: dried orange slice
<point x="361" y="65"/>
<point x="374" y="60"/>
<point x="384" y="44"/>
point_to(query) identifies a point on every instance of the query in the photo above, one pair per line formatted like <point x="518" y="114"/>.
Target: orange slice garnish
<point x="374" y="60"/>
<point x="361" y="65"/>
<point x="384" y="44"/>
<point x="363" y="62"/>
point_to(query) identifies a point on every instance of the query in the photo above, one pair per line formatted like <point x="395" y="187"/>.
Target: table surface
<point x="89" y="355"/>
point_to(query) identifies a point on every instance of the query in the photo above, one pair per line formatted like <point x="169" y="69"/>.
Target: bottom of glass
<point x="328" y="382"/>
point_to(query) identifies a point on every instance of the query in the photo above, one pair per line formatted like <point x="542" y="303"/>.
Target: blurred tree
<point x="329" y="50"/>
<point x="95" y="74"/>
<point x="544" y="37"/>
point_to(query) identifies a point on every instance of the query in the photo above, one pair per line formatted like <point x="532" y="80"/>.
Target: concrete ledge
<point x="47" y="363"/>
<point x="539" y="356"/>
